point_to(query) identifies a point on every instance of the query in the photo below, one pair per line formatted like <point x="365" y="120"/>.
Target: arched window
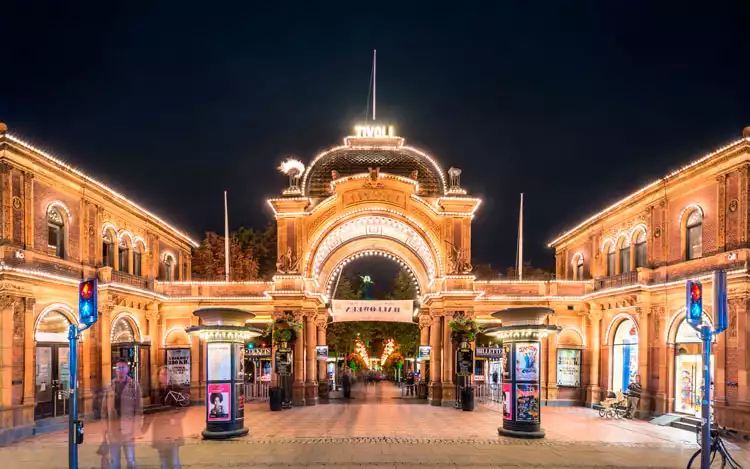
<point x="640" y="249"/>
<point x="579" y="268"/>
<point x="108" y="249"/>
<point x="611" y="259"/>
<point x="694" y="235"/>
<point x="124" y="255"/>
<point x="625" y="256"/>
<point x="56" y="231"/>
<point x="137" y="256"/>
<point x="168" y="268"/>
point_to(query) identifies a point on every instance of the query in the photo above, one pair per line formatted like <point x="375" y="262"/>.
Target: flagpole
<point x="374" y="79"/>
<point x="226" y="238"/>
<point x="520" y="240"/>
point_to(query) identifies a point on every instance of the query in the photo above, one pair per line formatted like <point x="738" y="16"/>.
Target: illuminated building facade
<point x="618" y="298"/>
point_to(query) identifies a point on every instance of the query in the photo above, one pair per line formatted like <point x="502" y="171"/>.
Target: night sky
<point x="574" y="106"/>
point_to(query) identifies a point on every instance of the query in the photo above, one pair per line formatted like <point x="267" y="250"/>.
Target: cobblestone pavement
<point x="378" y="430"/>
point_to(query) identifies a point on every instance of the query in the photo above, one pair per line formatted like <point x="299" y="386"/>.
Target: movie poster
<point x="527" y="362"/>
<point x="507" y="402"/>
<point x="219" y="402"/>
<point x="178" y="366"/>
<point x="239" y="391"/>
<point x="527" y="402"/>
<point x="219" y="361"/>
<point x="239" y="367"/>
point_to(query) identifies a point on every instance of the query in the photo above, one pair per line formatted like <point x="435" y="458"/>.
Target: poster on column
<point x="219" y="402"/>
<point x="219" y="361"/>
<point x="507" y="402"/>
<point x="527" y="362"/>
<point x="178" y="367"/>
<point x="239" y="366"/>
<point x="506" y="362"/>
<point x="527" y="402"/>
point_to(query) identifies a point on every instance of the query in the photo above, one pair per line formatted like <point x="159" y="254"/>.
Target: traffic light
<point x="694" y="313"/>
<point x="88" y="311"/>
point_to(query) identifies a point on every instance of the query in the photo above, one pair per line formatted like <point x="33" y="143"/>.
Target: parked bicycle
<point x="176" y="398"/>
<point x="717" y="447"/>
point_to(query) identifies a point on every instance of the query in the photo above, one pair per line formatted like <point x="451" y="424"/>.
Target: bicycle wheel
<point x="184" y="400"/>
<point x="601" y="412"/>
<point x="697" y="455"/>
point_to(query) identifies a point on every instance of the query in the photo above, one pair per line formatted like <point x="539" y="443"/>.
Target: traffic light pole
<point x="706" y="400"/>
<point x="73" y="398"/>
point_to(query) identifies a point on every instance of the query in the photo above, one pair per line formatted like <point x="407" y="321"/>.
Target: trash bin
<point x="467" y="398"/>
<point x="275" y="398"/>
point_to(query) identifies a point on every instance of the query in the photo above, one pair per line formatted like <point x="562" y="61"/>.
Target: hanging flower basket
<point x="282" y="335"/>
<point x="464" y="330"/>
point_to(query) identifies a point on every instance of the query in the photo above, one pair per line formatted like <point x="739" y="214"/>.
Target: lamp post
<point x="224" y="330"/>
<point x="521" y="333"/>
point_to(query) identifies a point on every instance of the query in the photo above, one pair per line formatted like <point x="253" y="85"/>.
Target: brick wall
<point x="706" y="197"/>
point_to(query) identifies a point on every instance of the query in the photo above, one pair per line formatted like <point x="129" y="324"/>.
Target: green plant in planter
<point x="282" y="335"/>
<point x="464" y="329"/>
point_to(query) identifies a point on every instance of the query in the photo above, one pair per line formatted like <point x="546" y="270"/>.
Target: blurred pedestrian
<point x="122" y="412"/>
<point x="168" y="431"/>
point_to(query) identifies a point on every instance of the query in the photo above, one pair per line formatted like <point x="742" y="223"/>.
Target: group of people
<point x="122" y="414"/>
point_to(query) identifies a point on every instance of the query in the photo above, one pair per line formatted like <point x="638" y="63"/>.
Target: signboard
<point x="568" y="367"/>
<point x="506" y="362"/>
<point x="527" y="362"/>
<point x="258" y="352"/>
<point x="284" y="361"/>
<point x="527" y="402"/>
<point x="489" y="352"/>
<point x="507" y="402"/>
<point x="464" y="362"/>
<point x="178" y="366"/>
<point x="219" y="361"/>
<point x="321" y="352"/>
<point x="424" y="352"/>
<point x="374" y="131"/>
<point x="373" y="310"/>
<point x="219" y="402"/>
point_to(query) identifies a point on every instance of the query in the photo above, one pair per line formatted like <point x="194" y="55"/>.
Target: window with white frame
<point x="137" y="256"/>
<point x="625" y="256"/>
<point x="168" y="268"/>
<point x="124" y="256"/>
<point x="108" y="249"/>
<point x="578" y="267"/>
<point x="611" y="259"/>
<point x="694" y="235"/>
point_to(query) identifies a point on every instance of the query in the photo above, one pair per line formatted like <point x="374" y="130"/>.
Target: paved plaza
<point x="378" y="429"/>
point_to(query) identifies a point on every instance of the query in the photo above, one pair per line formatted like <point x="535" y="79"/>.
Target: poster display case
<point x="569" y="367"/>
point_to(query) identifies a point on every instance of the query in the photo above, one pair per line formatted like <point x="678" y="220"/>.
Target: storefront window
<point x="624" y="355"/>
<point x="688" y="372"/>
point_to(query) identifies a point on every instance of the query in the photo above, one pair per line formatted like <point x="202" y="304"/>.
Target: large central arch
<point x="374" y="233"/>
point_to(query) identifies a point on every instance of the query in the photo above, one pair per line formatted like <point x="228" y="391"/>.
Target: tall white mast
<point x="374" y="79"/>
<point x="520" y="240"/>
<point x="226" y="238"/>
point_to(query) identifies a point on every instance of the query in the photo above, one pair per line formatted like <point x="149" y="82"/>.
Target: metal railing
<point x="130" y="279"/>
<point x="485" y="393"/>
<point x="614" y="281"/>
<point x="256" y="391"/>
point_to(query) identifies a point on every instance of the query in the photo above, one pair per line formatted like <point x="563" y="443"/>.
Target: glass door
<point x="52" y="380"/>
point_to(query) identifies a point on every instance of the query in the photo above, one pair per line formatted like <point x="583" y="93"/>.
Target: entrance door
<point x="688" y="375"/>
<point x="52" y="380"/>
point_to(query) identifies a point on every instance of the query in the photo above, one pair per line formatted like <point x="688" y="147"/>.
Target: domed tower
<point x="373" y="195"/>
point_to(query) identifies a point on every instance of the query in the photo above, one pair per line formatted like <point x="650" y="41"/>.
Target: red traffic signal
<point x="694" y="302"/>
<point x="87" y="302"/>
<point x="696" y="291"/>
<point x="86" y="290"/>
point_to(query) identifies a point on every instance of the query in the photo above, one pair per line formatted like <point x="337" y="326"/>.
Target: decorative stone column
<point x="661" y="352"/>
<point x="152" y="321"/>
<point x="424" y="339"/>
<point x="7" y="305"/>
<point x="298" y="389"/>
<point x="321" y="324"/>
<point x="435" y="392"/>
<point x="197" y="371"/>
<point x="644" y="405"/>
<point x="29" y="344"/>
<point x="449" y="388"/>
<point x="311" y="384"/>
<point x="550" y="374"/>
<point x="593" y="391"/>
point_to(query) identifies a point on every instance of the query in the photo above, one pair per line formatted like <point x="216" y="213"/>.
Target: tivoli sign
<point x="373" y="310"/>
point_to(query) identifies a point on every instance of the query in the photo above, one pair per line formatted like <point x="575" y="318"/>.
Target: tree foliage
<point x="263" y="245"/>
<point x="208" y="259"/>
<point x="403" y="287"/>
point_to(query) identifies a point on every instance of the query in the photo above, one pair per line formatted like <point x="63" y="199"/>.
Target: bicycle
<point x="176" y="398"/>
<point x="717" y="446"/>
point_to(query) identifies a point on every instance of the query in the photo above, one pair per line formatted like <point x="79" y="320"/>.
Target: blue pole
<point x="72" y="398"/>
<point x="706" y="401"/>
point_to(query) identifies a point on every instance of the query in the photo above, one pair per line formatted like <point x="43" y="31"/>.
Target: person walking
<point x="122" y="413"/>
<point x="347" y="382"/>
<point x="168" y="433"/>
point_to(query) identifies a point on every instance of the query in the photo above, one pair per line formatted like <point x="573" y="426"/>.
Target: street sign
<point x="88" y="311"/>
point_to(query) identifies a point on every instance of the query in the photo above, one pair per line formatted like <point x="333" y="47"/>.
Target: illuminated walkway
<point x="388" y="434"/>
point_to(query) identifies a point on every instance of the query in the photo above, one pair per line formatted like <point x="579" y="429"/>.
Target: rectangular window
<point x="610" y="264"/>
<point x="579" y="272"/>
<point x="107" y="255"/>
<point x="624" y="260"/>
<point x="55" y="239"/>
<point x="694" y="242"/>
<point x="640" y="255"/>
<point x="123" y="267"/>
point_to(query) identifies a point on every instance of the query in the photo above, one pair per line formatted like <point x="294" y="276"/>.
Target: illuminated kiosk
<point x="521" y="334"/>
<point x="224" y="331"/>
